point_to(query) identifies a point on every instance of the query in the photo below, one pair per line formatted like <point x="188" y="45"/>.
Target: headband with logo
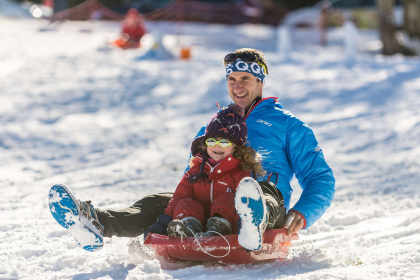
<point x="253" y="68"/>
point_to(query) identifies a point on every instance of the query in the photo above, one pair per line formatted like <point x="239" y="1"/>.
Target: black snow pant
<point x="275" y="202"/>
<point x="132" y="221"/>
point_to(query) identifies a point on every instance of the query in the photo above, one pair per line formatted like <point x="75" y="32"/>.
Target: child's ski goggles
<point x="245" y="57"/>
<point x="224" y="143"/>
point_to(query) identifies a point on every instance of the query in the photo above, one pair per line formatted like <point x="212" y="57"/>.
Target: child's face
<point x="217" y="152"/>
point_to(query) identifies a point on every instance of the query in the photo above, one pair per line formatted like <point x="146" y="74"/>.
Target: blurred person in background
<point x="132" y="30"/>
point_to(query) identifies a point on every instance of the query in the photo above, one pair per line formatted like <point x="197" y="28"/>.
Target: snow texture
<point x="350" y="42"/>
<point x="81" y="234"/>
<point x="114" y="128"/>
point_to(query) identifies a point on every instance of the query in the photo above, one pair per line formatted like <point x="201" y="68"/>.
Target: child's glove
<point x="160" y="227"/>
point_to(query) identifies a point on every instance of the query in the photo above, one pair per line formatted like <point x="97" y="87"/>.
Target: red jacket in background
<point x="134" y="30"/>
<point x="203" y="200"/>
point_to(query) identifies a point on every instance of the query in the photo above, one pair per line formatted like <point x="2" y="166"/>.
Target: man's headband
<point x="253" y="68"/>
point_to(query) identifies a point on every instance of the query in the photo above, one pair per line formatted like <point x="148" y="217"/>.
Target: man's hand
<point x="294" y="222"/>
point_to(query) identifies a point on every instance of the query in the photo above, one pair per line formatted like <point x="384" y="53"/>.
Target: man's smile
<point x="240" y="96"/>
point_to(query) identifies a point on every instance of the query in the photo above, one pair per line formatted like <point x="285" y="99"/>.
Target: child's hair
<point x="251" y="159"/>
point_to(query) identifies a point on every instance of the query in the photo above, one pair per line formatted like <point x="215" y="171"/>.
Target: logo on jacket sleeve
<point x="318" y="149"/>
<point x="264" y="122"/>
<point x="223" y="183"/>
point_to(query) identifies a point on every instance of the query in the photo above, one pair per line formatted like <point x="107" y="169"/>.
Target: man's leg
<point x="275" y="202"/>
<point x="134" y="220"/>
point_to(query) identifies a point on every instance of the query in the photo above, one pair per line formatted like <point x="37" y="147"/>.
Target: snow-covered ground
<point x="115" y="127"/>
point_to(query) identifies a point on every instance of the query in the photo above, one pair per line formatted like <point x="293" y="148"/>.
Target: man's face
<point x="244" y="88"/>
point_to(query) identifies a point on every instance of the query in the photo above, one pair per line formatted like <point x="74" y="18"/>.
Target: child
<point x="205" y="196"/>
<point x="133" y="29"/>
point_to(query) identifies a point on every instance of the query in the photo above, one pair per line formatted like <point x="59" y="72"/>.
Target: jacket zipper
<point x="255" y="105"/>
<point x="211" y="186"/>
<point x="211" y="192"/>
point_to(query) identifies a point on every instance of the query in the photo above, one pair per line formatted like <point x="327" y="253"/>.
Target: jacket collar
<point x="259" y="102"/>
<point x="256" y="100"/>
<point x="227" y="164"/>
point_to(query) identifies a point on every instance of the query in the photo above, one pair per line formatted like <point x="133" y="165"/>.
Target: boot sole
<point x="251" y="208"/>
<point x="64" y="208"/>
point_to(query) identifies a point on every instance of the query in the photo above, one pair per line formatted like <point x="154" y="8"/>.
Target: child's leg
<point x="224" y="206"/>
<point x="132" y="221"/>
<point x="188" y="219"/>
<point x="188" y="207"/>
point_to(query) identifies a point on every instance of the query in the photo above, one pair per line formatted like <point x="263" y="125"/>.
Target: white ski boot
<point x="79" y="217"/>
<point x="251" y="208"/>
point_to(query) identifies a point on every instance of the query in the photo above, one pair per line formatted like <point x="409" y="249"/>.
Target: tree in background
<point x="412" y="18"/>
<point x="387" y="29"/>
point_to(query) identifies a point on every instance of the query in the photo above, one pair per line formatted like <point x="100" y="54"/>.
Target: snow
<point x="284" y="40"/>
<point x="115" y="127"/>
<point x="350" y="42"/>
<point x="10" y="8"/>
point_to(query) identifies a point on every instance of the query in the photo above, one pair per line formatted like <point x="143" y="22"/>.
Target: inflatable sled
<point x="224" y="249"/>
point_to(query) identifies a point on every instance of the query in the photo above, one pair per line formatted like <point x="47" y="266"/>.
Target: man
<point x="289" y="148"/>
<point x="288" y="145"/>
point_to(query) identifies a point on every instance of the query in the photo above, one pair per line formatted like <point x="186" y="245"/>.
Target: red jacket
<point x="224" y="177"/>
<point x="135" y="32"/>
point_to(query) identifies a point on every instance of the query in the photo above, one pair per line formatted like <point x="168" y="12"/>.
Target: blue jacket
<point x="289" y="147"/>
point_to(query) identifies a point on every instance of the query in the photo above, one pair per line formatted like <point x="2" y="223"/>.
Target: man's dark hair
<point x="258" y="53"/>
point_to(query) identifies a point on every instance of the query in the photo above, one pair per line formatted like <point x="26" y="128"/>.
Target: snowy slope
<point x="13" y="9"/>
<point x="114" y="128"/>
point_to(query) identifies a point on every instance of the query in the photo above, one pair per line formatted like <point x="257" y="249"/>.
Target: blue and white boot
<point x="251" y="208"/>
<point x="79" y="217"/>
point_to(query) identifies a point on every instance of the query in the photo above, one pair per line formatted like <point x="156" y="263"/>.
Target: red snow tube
<point x="276" y="243"/>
